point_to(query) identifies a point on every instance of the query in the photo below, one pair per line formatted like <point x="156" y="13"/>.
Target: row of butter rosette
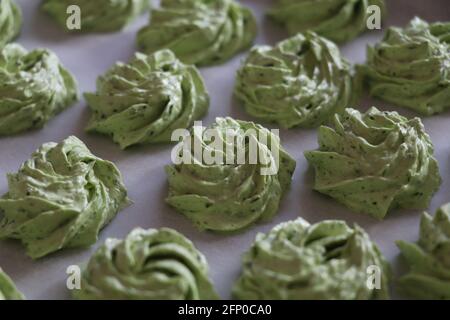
<point x="64" y="195"/>
<point x="373" y="162"/>
<point x="295" y="260"/>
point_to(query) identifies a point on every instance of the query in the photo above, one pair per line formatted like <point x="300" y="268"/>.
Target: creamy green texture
<point x="8" y="290"/>
<point x="302" y="81"/>
<point x="337" y="20"/>
<point x="145" y="100"/>
<point x="201" y="32"/>
<point x="429" y="277"/>
<point x="62" y="197"/>
<point x="230" y="195"/>
<point x="148" y="265"/>
<point x="410" y="67"/>
<point x="10" y="21"/>
<point x="299" y="261"/>
<point x="97" y="15"/>
<point x="375" y="161"/>
<point x="34" y="88"/>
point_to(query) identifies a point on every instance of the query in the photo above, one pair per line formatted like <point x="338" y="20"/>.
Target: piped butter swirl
<point x="225" y="193"/>
<point x="61" y="198"/>
<point x="299" y="261"/>
<point x="145" y="100"/>
<point x="410" y="67"/>
<point x="302" y="81"/>
<point x="147" y="265"/>
<point x="201" y="32"/>
<point x="34" y="88"/>
<point x="375" y="161"/>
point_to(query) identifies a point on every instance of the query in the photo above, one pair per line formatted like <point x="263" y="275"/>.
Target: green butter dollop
<point x="10" y="21"/>
<point x="300" y="261"/>
<point x="429" y="260"/>
<point x="201" y="32"/>
<point x="61" y="198"/>
<point x="34" y="88"/>
<point x="97" y="15"/>
<point x="410" y="67"/>
<point x="145" y="100"/>
<point x="337" y="20"/>
<point x="302" y="81"/>
<point x="148" y="265"/>
<point x="8" y="290"/>
<point x="230" y="195"/>
<point x="375" y="161"/>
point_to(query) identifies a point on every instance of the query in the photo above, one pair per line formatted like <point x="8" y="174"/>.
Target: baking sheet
<point x="88" y="56"/>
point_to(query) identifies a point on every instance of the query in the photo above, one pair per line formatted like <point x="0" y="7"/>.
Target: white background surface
<point x="88" y="56"/>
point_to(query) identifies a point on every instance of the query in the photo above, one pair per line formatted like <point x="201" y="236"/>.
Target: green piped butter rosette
<point x="375" y="161"/>
<point x="201" y="32"/>
<point x="302" y="81"/>
<point x="8" y="290"/>
<point x="148" y="265"/>
<point x="145" y="100"/>
<point x="410" y="67"/>
<point x="299" y="261"/>
<point x="97" y="15"/>
<point x="10" y="21"/>
<point x="337" y="20"/>
<point x="61" y="198"/>
<point x="429" y="259"/>
<point x="237" y="190"/>
<point x="34" y="88"/>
